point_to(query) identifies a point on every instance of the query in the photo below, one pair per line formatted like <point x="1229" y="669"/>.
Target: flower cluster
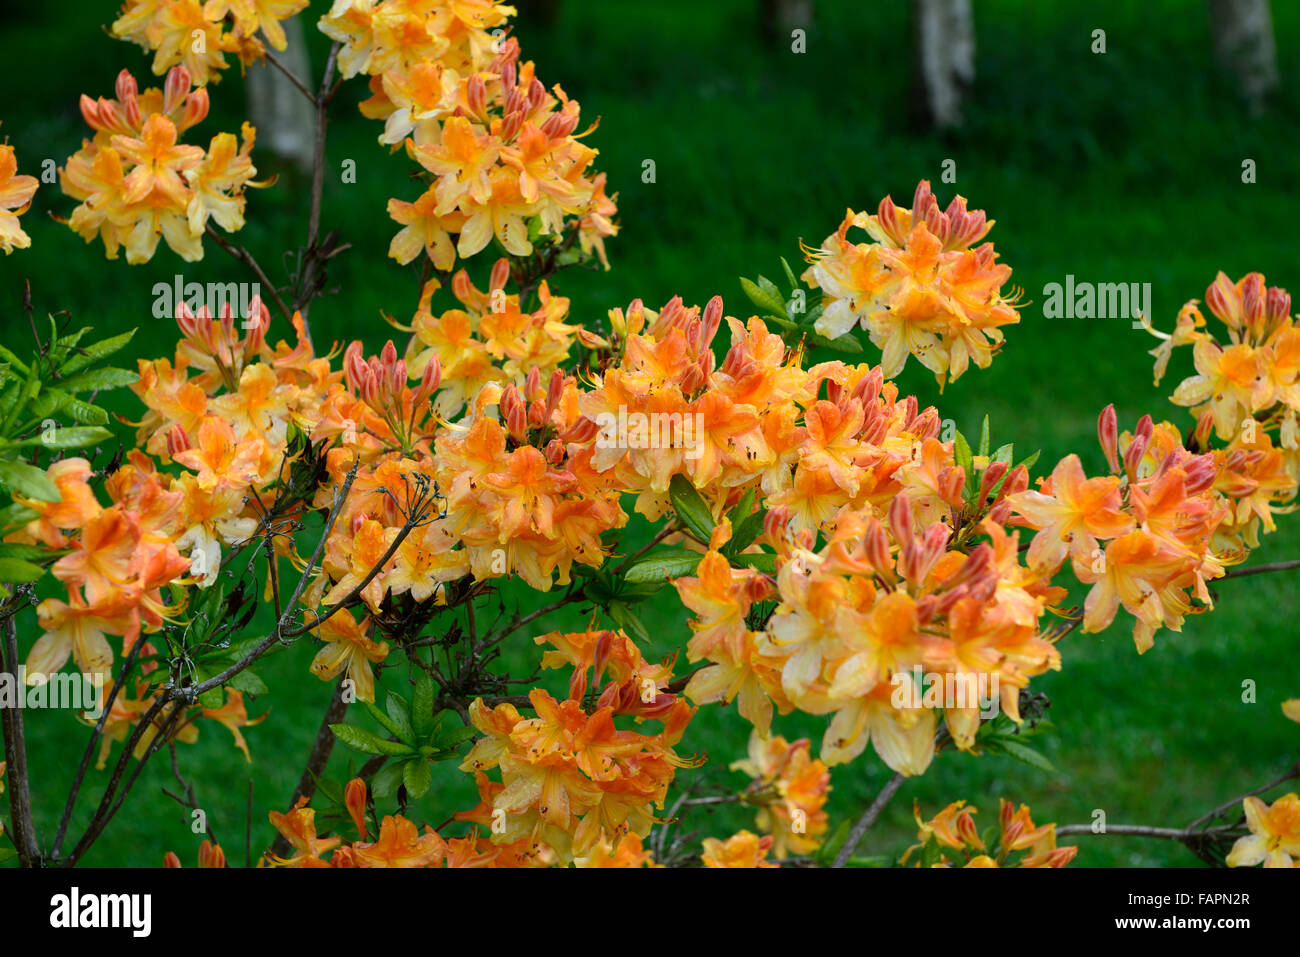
<point x="953" y="830"/>
<point x="196" y="34"/>
<point x="136" y="182"/>
<point x="921" y="286"/>
<point x="491" y="339"/>
<point x="500" y="151"/>
<point x="399" y="844"/>
<point x="571" y="779"/>
<point x="857" y="621"/>
<point x="16" y="194"/>
<point x="1152" y="533"/>
<point x="798" y="785"/>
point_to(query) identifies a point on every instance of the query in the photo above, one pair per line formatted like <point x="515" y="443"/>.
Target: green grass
<point x="1122" y="167"/>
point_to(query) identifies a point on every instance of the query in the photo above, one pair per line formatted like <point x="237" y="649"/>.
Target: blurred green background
<point x="1115" y="167"/>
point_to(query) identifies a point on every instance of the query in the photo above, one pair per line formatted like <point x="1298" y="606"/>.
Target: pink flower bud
<point x="1108" y="435"/>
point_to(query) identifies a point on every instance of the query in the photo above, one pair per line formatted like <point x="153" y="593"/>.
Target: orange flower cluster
<point x="1143" y="537"/>
<point x="795" y="817"/>
<point x="196" y="34"/>
<point x="571" y="779"/>
<point x="921" y="286"/>
<point x="1246" y="393"/>
<point x="16" y="194"/>
<point x="382" y="426"/>
<point x="500" y="151"/>
<point x="400" y="844"/>
<point x="664" y="407"/>
<point x="953" y="829"/>
<point x="490" y="340"/>
<point x="522" y="492"/>
<point x="136" y="182"/>
<point x="858" y="620"/>
<point x="119" y="560"/>
<point x="223" y="409"/>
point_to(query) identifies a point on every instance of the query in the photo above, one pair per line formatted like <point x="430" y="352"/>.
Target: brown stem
<point x="22" y="825"/>
<point x="320" y="756"/>
<point x="245" y="257"/>
<point x="1261" y="569"/>
<point x="868" y="818"/>
<point x="307" y="282"/>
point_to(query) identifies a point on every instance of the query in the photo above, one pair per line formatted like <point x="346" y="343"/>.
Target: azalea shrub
<point x="397" y="521"/>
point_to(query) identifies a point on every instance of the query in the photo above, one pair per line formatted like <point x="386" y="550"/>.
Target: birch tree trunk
<point x="285" y="120"/>
<point x="1242" y="33"/>
<point x="943" y="59"/>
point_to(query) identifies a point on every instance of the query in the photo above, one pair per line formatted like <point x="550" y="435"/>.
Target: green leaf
<point x="787" y="324"/>
<point x="422" y="705"/>
<point x="359" y="739"/>
<point x="30" y="552"/>
<point x="391" y="726"/>
<point x="962" y="454"/>
<point x="1003" y="454"/>
<point x="96" y="351"/>
<point x="454" y="737"/>
<point x="15" y="571"/>
<point x="417" y="776"/>
<point x="764" y="562"/>
<point x="1022" y="752"/>
<point x="56" y="401"/>
<point x="628" y="621"/>
<point x="387" y="780"/>
<point x="984" y="437"/>
<point x="77" y="437"/>
<point x="249" y="683"/>
<point x="826" y="853"/>
<point x="13" y="360"/>
<point x="789" y="275"/>
<point x="28" y="480"/>
<point x="691" y="508"/>
<point x="845" y="343"/>
<point x="662" y="565"/>
<point x="760" y="296"/>
<point x="106" y="378"/>
<point x="400" y="713"/>
<point x="931" y="853"/>
<point x="1029" y="460"/>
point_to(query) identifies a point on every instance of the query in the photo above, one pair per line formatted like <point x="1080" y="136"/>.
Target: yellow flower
<point x="1274" y="833"/>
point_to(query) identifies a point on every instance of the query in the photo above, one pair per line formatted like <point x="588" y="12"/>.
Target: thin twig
<point x="1240" y="572"/>
<point x="245" y="257"/>
<point x="868" y="818"/>
<point x="22" y="824"/>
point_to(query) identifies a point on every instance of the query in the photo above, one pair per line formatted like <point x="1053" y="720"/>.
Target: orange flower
<point x="1274" y="833"/>
<point x="742" y="849"/>
<point x="16" y="194"/>
<point x="347" y="649"/>
<point x="299" y="828"/>
<point x="233" y="715"/>
<point x="401" y="845"/>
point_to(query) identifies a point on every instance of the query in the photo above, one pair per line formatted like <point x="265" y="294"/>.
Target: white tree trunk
<point x="285" y="120"/>
<point x="943" y="36"/>
<point x="1242" y="32"/>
